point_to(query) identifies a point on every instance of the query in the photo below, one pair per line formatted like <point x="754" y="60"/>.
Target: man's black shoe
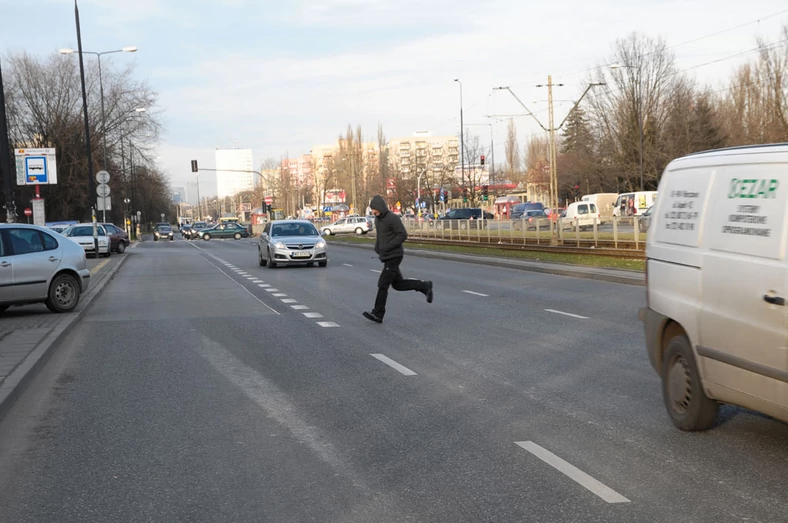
<point x="429" y="293"/>
<point x="373" y="317"/>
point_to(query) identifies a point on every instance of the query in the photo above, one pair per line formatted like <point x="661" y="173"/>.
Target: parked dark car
<point x="118" y="238"/>
<point x="530" y="219"/>
<point x="521" y="208"/>
<point x="463" y="218"/>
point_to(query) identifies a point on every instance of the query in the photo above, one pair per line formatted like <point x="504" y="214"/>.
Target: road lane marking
<point x="272" y="290"/>
<point x="289" y="300"/>
<point x="574" y="473"/>
<point x="299" y="307"/>
<point x="328" y="324"/>
<point x="393" y="364"/>
<point x="257" y="281"/>
<point x="280" y="295"/>
<point x="567" y="314"/>
<point x="263" y="285"/>
<point x="477" y="293"/>
<point x="313" y="315"/>
<point x="251" y="277"/>
<point x="278" y="404"/>
<point x="347" y="265"/>
<point x="98" y="267"/>
<point x="375" y="270"/>
<point x="235" y="282"/>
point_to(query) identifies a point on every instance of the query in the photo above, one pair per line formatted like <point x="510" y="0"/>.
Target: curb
<point x="556" y="269"/>
<point x="16" y="383"/>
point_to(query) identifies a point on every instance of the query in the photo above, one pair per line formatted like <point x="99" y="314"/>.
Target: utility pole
<point x="7" y="168"/>
<point x="199" y="203"/>
<point x="462" y="136"/>
<point x="552" y="156"/>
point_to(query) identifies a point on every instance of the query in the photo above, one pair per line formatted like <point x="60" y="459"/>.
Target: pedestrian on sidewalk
<point x="391" y="234"/>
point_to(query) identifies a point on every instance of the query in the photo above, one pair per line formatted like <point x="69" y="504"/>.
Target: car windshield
<point x="165" y="229"/>
<point x="200" y="225"/>
<point x="83" y="230"/>
<point x="294" y="229"/>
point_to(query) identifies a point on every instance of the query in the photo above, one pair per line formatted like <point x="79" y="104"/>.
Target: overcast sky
<point x="279" y="77"/>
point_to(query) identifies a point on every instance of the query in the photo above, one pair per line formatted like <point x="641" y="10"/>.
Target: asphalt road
<point x="202" y="387"/>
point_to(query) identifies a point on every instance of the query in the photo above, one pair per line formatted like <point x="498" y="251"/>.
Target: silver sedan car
<point x="291" y="242"/>
<point x="39" y="265"/>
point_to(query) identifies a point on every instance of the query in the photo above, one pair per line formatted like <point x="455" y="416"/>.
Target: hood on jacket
<point x="379" y="204"/>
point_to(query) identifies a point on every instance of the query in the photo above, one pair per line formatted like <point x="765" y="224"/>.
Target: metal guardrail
<point x="618" y="234"/>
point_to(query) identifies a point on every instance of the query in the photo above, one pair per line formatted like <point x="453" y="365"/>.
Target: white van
<point x="604" y="202"/>
<point x="642" y="200"/>
<point x="581" y="215"/>
<point x="717" y="283"/>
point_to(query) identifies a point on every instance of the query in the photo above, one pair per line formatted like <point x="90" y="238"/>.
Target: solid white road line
<point x="567" y="314"/>
<point x="476" y="293"/>
<point x="393" y="364"/>
<point x="574" y="473"/>
<point x="289" y="300"/>
<point x="347" y="265"/>
<point x="300" y="307"/>
<point x="312" y="314"/>
<point x="272" y="290"/>
<point x="328" y="324"/>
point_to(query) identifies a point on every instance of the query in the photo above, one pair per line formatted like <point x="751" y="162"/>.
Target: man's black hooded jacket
<point x="391" y="234"/>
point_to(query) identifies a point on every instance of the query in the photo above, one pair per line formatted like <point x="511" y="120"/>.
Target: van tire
<point x="687" y="404"/>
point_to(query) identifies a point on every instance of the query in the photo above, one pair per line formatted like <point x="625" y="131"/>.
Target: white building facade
<point x="229" y="181"/>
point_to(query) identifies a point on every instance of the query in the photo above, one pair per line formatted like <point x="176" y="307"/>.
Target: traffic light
<point x="464" y="194"/>
<point x="194" y="166"/>
<point x="485" y="192"/>
<point x="482" y="158"/>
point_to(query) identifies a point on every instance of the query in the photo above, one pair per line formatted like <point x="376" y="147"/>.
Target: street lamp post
<point x="639" y="96"/>
<point x="462" y="134"/>
<point x="129" y="49"/>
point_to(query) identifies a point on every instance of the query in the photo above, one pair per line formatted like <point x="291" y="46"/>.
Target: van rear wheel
<point x="687" y="404"/>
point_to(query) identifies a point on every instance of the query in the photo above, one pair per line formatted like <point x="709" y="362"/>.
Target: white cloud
<point x="275" y="103"/>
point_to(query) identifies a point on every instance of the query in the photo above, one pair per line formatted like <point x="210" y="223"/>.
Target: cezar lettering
<point x="753" y="188"/>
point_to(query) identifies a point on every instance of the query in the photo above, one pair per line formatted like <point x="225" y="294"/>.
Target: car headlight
<point x="321" y="244"/>
<point x="279" y="245"/>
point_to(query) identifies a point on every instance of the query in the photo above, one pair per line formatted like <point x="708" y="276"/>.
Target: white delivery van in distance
<point x="717" y="284"/>
<point x="604" y="203"/>
<point x="641" y="201"/>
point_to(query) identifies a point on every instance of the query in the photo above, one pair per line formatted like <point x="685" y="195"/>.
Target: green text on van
<point x="753" y="188"/>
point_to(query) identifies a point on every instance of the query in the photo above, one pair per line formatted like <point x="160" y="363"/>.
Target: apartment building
<point x="409" y="156"/>
<point x="234" y="172"/>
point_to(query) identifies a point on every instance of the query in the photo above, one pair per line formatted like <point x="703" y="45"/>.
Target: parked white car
<point x="352" y="224"/>
<point x="717" y="284"/>
<point x="82" y="233"/>
<point x="39" y="265"/>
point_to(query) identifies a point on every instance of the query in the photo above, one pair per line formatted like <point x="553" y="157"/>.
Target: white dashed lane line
<point x="347" y="265"/>
<point x="393" y="364"/>
<point x="572" y="472"/>
<point x="562" y="313"/>
<point x="476" y="293"/>
<point x="278" y="294"/>
<point x="375" y="270"/>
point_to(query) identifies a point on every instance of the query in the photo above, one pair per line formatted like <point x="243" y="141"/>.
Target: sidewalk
<point x="27" y="333"/>
<point x="559" y="269"/>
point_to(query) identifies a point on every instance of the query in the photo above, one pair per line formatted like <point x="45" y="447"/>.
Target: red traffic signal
<point x="482" y="159"/>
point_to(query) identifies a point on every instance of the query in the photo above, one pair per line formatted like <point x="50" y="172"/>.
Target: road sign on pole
<point x="36" y="166"/>
<point x="28" y="212"/>
<point x="102" y="190"/>
<point x="102" y="177"/>
<point x="39" y="212"/>
<point x="269" y="200"/>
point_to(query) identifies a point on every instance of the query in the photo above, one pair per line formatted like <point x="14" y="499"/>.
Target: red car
<point x="118" y="238"/>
